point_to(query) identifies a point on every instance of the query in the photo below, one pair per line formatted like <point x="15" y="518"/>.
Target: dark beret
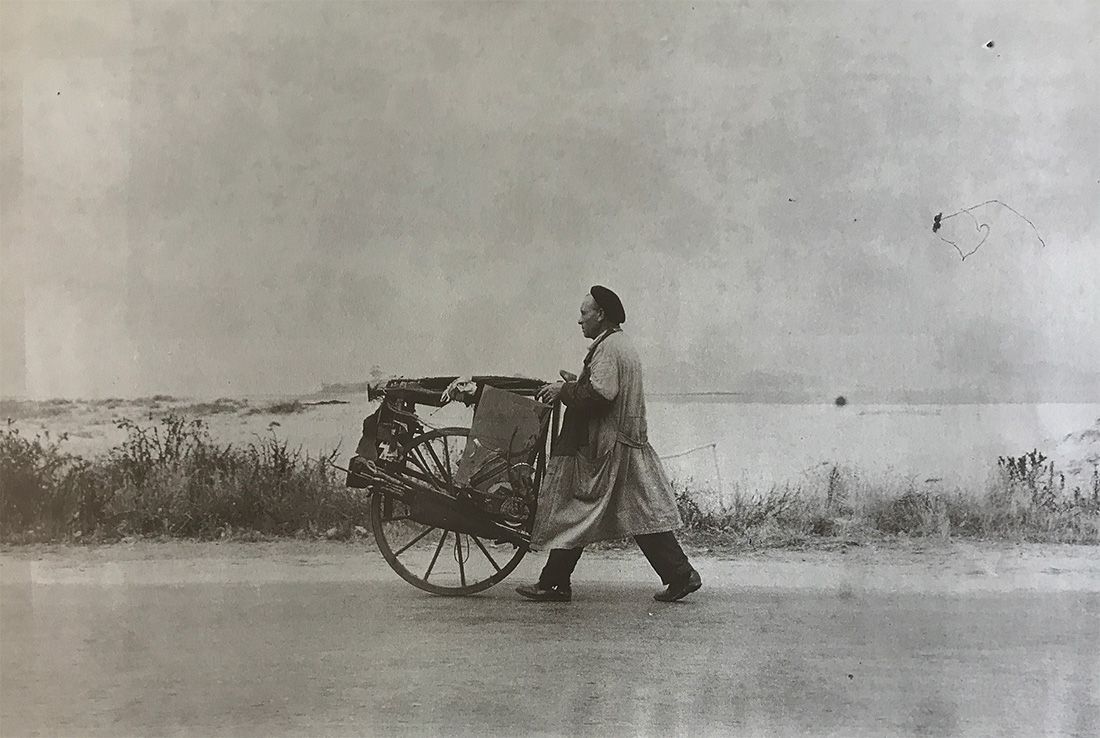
<point x="610" y="303"/>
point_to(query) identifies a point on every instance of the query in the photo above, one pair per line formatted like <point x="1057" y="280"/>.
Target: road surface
<point x="298" y="638"/>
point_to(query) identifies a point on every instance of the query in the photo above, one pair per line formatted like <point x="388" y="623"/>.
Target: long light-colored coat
<point x="615" y="486"/>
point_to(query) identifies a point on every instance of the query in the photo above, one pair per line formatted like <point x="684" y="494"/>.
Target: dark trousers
<point x="662" y="550"/>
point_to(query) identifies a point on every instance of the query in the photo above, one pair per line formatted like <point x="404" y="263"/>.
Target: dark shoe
<point x="539" y="593"/>
<point x="681" y="589"/>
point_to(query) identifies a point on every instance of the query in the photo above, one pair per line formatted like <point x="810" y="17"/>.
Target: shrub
<point x="170" y="479"/>
<point x="916" y="513"/>
<point x="30" y="472"/>
<point x="1026" y="500"/>
<point x="781" y="512"/>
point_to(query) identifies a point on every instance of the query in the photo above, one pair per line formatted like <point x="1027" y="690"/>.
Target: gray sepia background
<point x="210" y="210"/>
<point x="230" y="198"/>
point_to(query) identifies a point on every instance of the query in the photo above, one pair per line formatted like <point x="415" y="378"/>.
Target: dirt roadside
<point x="912" y="565"/>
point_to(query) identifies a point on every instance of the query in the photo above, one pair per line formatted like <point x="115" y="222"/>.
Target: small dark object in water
<point x="989" y="45"/>
<point x="841" y="401"/>
<point x="936" y="222"/>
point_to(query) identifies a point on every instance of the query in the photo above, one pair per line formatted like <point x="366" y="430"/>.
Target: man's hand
<point x="549" y="393"/>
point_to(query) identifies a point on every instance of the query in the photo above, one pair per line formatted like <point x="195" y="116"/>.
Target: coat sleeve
<point x="604" y="372"/>
<point x="596" y="391"/>
<point x="583" y="395"/>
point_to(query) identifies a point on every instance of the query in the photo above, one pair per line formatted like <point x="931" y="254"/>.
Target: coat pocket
<point x="592" y="477"/>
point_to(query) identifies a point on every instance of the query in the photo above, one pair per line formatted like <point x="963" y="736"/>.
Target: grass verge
<point x="173" y="479"/>
<point x="168" y="479"/>
<point x="1025" y="499"/>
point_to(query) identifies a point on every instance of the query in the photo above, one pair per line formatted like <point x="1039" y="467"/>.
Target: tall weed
<point x="172" y="478"/>
<point x="1026" y="499"/>
<point x="169" y="479"/>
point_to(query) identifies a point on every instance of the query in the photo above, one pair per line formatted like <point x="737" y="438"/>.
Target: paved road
<point x="181" y="641"/>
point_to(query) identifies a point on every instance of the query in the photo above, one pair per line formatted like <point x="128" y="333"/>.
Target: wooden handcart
<point x="452" y="507"/>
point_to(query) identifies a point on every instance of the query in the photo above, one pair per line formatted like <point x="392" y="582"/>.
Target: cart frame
<point x="407" y="467"/>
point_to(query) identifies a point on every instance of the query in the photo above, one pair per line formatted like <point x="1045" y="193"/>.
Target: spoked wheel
<point x="437" y="560"/>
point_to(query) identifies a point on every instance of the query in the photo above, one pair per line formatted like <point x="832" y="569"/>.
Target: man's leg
<point x="553" y="584"/>
<point x="559" y="567"/>
<point x="671" y="564"/>
<point x="665" y="556"/>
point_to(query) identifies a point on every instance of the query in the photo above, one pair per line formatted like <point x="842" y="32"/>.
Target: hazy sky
<point x="230" y="198"/>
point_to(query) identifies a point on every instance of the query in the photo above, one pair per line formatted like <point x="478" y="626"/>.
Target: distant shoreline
<point x="315" y="397"/>
<point x="748" y="399"/>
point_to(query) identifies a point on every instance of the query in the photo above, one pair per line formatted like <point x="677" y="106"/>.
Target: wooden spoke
<point x="442" y="469"/>
<point x="447" y="456"/>
<point x="415" y="473"/>
<point x="488" y="471"/>
<point x="435" y="556"/>
<point x="430" y="470"/>
<point x="413" y="542"/>
<point x="486" y="552"/>
<point x="423" y="460"/>
<point x="420" y="462"/>
<point x="458" y="555"/>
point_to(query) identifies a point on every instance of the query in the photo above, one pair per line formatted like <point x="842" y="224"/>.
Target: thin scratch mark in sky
<point x="982" y="228"/>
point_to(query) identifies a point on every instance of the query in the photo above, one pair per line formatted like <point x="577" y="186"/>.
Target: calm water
<point x="760" y="444"/>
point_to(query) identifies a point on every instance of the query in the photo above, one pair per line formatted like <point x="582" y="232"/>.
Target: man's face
<point x="591" y="317"/>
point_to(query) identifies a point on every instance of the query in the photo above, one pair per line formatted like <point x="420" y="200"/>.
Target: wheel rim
<point x="437" y="560"/>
